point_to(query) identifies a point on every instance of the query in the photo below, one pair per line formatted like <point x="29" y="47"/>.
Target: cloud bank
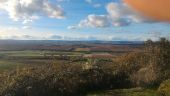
<point x="122" y="14"/>
<point x="29" y="10"/>
<point x="93" y="21"/>
<point x="119" y="14"/>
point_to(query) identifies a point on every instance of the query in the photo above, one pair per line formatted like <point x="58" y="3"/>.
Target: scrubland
<point x="140" y="73"/>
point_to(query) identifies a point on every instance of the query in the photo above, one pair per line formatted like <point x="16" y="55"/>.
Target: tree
<point x="159" y="56"/>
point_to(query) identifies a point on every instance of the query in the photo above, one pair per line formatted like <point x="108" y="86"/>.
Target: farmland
<point x="28" y="53"/>
<point x="98" y="68"/>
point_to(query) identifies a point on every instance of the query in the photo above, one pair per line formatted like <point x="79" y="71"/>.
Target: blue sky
<point x="76" y="20"/>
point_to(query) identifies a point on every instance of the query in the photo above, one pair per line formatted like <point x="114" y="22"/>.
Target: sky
<point x="109" y="20"/>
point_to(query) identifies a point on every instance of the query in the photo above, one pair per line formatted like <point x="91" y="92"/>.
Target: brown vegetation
<point x="136" y="69"/>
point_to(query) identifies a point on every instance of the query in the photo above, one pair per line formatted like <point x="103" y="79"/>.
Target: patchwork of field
<point x="12" y="59"/>
<point x="26" y="53"/>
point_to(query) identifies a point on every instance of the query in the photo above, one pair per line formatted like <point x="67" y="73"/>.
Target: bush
<point x="154" y="65"/>
<point x="146" y="77"/>
<point x="42" y="81"/>
<point x="61" y="80"/>
<point x="164" y="89"/>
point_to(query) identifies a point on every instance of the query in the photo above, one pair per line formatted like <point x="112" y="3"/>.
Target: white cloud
<point x="95" y="5"/>
<point x="53" y="11"/>
<point x="29" y="10"/>
<point x="119" y="14"/>
<point x="93" y="21"/>
<point x="120" y="22"/>
<point x="122" y="14"/>
<point x="19" y="37"/>
<point x="28" y="21"/>
<point x="89" y="1"/>
<point x="72" y="27"/>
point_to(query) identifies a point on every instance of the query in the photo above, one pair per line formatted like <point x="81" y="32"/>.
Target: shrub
<point x="42" y="81"/>
<point x="154" y="65"/>
<point x="146" y="77"/>
<point x="164" y="89"/>
<point x="159" y="56"/>
<point x="61" y="80"/>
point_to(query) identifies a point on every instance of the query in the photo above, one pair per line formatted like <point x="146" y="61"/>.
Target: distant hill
<point x="59" y="45"/>
<point x="61" y="42"/>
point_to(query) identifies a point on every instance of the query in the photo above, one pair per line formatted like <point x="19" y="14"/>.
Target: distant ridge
<point x="61" y="42"/>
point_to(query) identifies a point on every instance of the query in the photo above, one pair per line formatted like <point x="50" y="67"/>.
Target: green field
<point x="126" y="92"/>
<point x="9" y="65"/>
<point x="34" y="53"/>
<point x="11" y="59"/>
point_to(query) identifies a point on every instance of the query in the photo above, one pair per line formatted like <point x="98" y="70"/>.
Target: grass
<point x="22" y="53"/>
<point x="7" y="65"/>
<point x="28" y="53"/>
<point x="126" y="92"/>
<point x="11" y="59"/>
